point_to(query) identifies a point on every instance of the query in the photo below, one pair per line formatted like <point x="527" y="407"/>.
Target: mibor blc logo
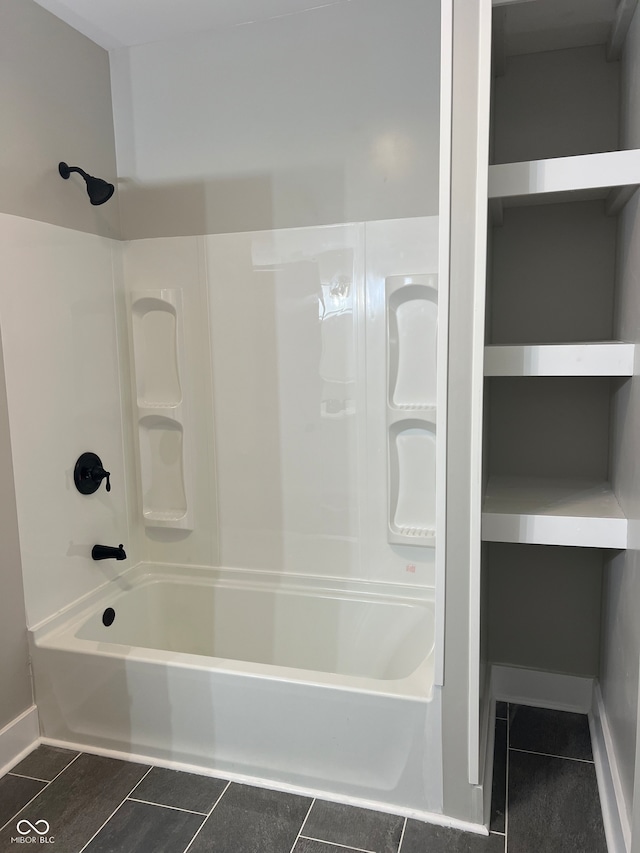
<point x="33" y="833"/>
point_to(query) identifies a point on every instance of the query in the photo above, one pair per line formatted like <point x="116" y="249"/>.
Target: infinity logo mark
<point x="32" y="827"/>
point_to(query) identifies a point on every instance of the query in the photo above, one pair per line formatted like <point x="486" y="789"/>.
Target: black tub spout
<point x="107" y="552"/>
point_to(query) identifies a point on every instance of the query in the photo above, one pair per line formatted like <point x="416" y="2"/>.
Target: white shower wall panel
<point x="288" y="397"/>
<point x="298" y="336"/>
<point x="57" y="311"/>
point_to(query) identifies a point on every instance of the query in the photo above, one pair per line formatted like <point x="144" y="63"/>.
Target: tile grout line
<point x="404" y="826"/>
<point x="210" y="812"/>
<point x="336" y="844"/>
<point x="75" y="757"/>
<point x="137" y="785"/>
<point x="551" y="755"/>
<point x="66" y="767"/>
<point x="14" y="816"/>
<point x="164" y="806"/>
<point x="293" y="846"/>
<point x="34" y="778"/>
<point x="114" y="811"/>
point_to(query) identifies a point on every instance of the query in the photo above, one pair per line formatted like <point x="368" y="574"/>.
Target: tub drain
<point x="108" y="616"/>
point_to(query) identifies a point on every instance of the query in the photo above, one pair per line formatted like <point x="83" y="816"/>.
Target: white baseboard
<point x="614" y="813"/>
<point x="19" y="738"/>
<point x="542" y="689"/>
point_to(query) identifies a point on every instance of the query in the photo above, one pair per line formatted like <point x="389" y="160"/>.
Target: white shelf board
<point x="605" y="358"/>
<point x="538" y="511"/>
<point x="613" y="175"/>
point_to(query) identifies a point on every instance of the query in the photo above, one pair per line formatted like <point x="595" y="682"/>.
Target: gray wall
<point x="15" y="682"/>
<point x="544" y="607"/>
<point x="553" y="274"/>
<point x="556" y="104"/>
<point x="549" y="427"/>
<point x="55" y="103"/>
<point x="330" y="115"/>
<point x="620" y="623"/>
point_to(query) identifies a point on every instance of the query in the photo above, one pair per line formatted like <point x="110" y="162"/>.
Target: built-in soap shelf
<point x="412" y="468"/>
<point x="411" y="303"/>
<point x="155" y="343"/>
<point x="164" y="434"/>
<point x="423" y="413"/>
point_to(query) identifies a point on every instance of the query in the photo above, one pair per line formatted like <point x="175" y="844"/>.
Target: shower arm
<point x="65" y="171"/>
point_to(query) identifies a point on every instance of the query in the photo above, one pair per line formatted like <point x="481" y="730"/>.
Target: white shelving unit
<point x="556" y="361"/>
<point x="603" y="358"/>
<point x="553" y="512"/>
<point x="554" y="364"/>
<point x="577" y="513"/>
<point x="538" y="511"/>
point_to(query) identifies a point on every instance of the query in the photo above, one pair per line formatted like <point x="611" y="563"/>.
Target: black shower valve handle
<point x="98" y="474"/>
<point x="89" y="473"/>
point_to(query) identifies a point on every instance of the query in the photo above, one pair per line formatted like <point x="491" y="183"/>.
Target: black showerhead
<point x="98" y="190"/>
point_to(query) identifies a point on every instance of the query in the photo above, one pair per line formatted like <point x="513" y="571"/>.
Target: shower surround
<point x="285" y="373"/>
<point x="292" y="398"/>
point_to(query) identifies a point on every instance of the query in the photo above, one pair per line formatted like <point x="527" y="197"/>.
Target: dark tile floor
<point x="544" y="800"/>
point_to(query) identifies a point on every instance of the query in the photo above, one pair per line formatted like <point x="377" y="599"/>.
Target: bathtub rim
<point x="59" y="631"/>
<point x="259" y="577"/>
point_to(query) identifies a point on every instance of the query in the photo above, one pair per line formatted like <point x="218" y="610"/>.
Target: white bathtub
<point x="323" y="686"/>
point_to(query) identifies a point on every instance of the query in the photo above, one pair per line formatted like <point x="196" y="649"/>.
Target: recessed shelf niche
<point x="412" y="322"/>
<point x="412" y="325"/>
<point x="164" y="434"/>
<point x="155" y="340"/>
<point x="164" y="499"/>
<point x="412" y="479"/>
